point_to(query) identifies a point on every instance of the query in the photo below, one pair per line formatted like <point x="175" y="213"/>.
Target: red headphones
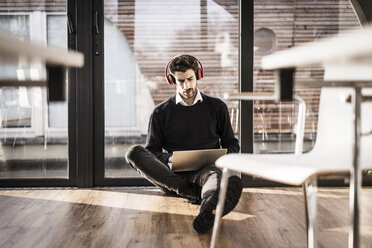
<point x="170" y="78"/>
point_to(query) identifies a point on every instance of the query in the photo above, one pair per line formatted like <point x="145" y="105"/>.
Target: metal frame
<point x="99" y="101"/>
<point x="310" y="190"/>
<point x="220" y="206"/>
<point x="246" y="78"/>
<point x="82" y="15"/>
<point x="355" y="174"/>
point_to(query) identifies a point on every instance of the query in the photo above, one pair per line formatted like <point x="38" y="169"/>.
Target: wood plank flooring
<point x="145" y="217"/>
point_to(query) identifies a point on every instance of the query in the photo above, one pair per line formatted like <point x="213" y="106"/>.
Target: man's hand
<point x="170" y="159"/>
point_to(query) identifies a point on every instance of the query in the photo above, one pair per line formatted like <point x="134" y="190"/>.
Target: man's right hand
<point x="170" y="159"/>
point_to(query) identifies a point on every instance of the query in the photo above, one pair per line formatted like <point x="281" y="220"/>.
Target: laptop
<point x="195" y="159"/>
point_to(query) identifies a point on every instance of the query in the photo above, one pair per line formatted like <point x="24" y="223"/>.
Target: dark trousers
<point x="142" y="160"/>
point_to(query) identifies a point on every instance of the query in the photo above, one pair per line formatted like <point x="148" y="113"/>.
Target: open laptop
<point x="195" y="159"/>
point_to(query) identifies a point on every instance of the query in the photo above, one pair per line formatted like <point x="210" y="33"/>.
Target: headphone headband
<point x="170" y="78"/>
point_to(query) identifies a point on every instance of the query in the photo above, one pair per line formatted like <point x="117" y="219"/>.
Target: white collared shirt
<point x="179" y="99"/>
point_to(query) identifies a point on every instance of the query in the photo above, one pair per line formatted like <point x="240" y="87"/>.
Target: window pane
<point x="280" y="24"/>
<point x="18" y="26"/>
<point x="33" y="135"/>
<point x="57" y="31"/>
<point x="140" y="38"/>
<point x="57" y="37"/>
<point x="15" y="107"/>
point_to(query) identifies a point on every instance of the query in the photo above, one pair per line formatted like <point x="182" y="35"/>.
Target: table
<point x="54" y="61"/>
<point x="347" y="59"/>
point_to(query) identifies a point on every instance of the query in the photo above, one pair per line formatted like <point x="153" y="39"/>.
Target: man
<point x="189" y="120"/>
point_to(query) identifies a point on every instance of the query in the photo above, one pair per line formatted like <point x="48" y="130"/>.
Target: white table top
<point x="13" y="50"/>
<point x="352" y="48"/>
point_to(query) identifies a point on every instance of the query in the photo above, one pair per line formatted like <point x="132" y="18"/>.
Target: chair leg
<point x="220" y="206"/>
<point x="310" y="189"/>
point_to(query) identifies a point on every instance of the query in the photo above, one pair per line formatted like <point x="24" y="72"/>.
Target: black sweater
<point x="204" y="125"/>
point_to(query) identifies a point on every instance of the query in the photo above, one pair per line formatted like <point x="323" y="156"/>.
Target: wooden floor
<point x="145" y="217"/>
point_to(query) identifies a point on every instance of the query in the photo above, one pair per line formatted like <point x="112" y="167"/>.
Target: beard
<point x="189" y="93"/>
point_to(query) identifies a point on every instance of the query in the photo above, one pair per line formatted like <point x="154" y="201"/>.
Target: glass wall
<point x="33" y="132"/>
<point x="140" y="38"/>
<point x="280" y="24"/>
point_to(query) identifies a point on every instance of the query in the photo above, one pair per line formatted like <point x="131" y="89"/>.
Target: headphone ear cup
<point x="198" y="74"/>
<point x="170" y="79"/>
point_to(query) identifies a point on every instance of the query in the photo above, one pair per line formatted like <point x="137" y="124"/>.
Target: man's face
<point x="186" y="83"/>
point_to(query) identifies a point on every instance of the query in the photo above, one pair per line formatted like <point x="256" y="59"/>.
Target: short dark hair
<point x="183" y="63"/>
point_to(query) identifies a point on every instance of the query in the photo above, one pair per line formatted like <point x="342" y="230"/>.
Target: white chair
<point x="332" y="154"/>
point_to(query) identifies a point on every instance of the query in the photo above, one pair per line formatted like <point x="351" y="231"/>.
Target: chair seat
<point x="283" y="168"/>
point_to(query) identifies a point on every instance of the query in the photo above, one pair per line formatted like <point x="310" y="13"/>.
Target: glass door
<point x="140" y="37"/>
<point x="34" y="147"/>
<point x="294" y="23"/>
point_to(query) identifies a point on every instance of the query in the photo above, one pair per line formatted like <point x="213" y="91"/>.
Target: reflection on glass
<point x="15" y="107"/>
<point x="33" y="134"/>
<point x="18" y="26"/>
<point x="291" y="23"/>
<point x="140" y="38"/>
<point x="265" y="41"/>
<point x="57" y="37"/>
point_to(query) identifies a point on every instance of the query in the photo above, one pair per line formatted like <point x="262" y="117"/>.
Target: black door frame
<point x="246" y="79"/>
<point x="98" y="106"/>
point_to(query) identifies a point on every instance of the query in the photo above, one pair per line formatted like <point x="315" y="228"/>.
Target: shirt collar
<point x="198" y="97"/>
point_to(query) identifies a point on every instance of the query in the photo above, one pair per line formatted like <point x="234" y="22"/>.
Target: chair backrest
<point x="336" y="127"/>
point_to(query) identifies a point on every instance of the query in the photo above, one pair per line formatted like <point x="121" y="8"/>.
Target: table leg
<point x="355" y="174"/>
<point x="220" y="206"/>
